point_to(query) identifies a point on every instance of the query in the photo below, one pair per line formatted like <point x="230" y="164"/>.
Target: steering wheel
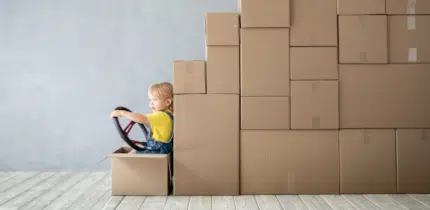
<point x="137" y="145"/>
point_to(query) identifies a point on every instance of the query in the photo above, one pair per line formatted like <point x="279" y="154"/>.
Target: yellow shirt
<point x="161" y="126"/>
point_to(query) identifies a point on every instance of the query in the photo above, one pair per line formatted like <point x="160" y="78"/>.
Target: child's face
<point x="158" y="104"/>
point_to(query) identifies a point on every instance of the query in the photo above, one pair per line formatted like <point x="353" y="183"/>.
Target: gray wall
<point x="66" y="64"/>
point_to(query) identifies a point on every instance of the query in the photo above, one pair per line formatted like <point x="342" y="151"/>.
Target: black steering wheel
<point x="137" y="145"/>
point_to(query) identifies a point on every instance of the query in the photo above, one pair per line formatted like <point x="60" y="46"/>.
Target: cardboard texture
<point x="314" y="105"/>
<point x="222" y="28"/>
<point x="403" y="7"/>
<point x="265" y="113"/>
<point x="413" y="160"/>
<point x="367" y="161"/>
<point x="313" y="23"/>
<point x="361" y="7"/>
<point x="223" y="69"/>
<point x="385" y="96"/>
<point x="139" y="174"/>
<point x="264" y="14"/>
<point x="324" y="63"/>
<point x="363" y="39"/>
<point x="189" y="76"/>
<point x="409" y="40"/>
<point x="264" y="58"/>
<point x="289" y="162"/>
<point x="206" y="158"/>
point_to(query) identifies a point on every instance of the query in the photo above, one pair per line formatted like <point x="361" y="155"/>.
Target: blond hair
<point x="162" y="90"/>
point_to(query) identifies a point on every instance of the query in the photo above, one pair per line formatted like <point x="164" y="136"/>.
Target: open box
<point x="140" y="174"/>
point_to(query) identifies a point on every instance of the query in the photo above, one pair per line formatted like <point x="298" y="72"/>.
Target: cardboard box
<point x="403" y="7"/>
<point x="313" y="23"/>
<point x="324" y="63"/>
<point x="363" y="39"/>
<point x="189" y="76"/>
<point x="360" y="7"/>
<point x="206" y="149"/>
<point x="385" y="96"/>
<point x="222" y="28"/>
<point x="314" y="105"/>
<point x="265" y="14"/>
<point x="265" y="113"/>
<point x="289" y="162"/>
<point x="409" y="40"/>
<point x="413" y="161"/>
<point x="367" y="161"/>
<point x="139" y="174"/>
<point x="264" y="62"/>
<point x="223" y="69"/>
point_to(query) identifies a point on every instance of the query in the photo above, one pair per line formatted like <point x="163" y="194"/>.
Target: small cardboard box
<point x="139" y="174"/>
<point x="361" y="7"/>
<point x="189" y="76"/>
<point x="222" y="28"/>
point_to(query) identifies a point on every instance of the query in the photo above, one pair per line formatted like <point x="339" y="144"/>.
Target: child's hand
<point x="117" y="113"/>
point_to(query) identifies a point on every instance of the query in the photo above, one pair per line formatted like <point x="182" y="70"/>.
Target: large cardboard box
<point x="363" y="39"/>
<point x="367" y="161"/>
<point x="360" y="7"/>
<point x="222" y="28"/>
<point x="139" y="174"/>
<point x="265" y="113"/>
<point x="223" y="69"/>
<point x="264" y="14"/>
<point x="289" y="162"/>
<point x="413" y="161"/>
<point x="313" y="23"/>
<point x="403" y="7"/>
<point x="264" y="58"/>
<point x="385" y="96"/>
<point x="409" y="40"/>
<point x="189" y="76"/>
<point x="314" y="105"/>
<point x="206" y="148"/>
<point x="324" y="63"/>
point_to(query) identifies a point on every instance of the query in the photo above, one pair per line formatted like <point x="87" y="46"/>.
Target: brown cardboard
<point x="403" y="7"/>
<point x="413" y="161"/>
<point x="139" y="174"/>
<point x="222" y="28"/>
<point x="363" y="39"/>
<point x="385" y="96"/>
<point x="324" y="63"/>
<point x="265" y="113"/>
<point x="313" y="23"/>
<point x="206" y="149"/>
<point x="367" y="161"/>
<point x="223" y="69"/>
<point x="409" y="40"/>
<point x="314" y="105"/>
<point x="264" y="58"/>
<point x="360" y="7"/>
<point x="265" y="14"/>
<point x="189" y="76"/>
<point x="289" y="162"/>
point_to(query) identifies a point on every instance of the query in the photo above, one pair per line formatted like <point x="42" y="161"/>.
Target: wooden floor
<point x="46" y="190"/>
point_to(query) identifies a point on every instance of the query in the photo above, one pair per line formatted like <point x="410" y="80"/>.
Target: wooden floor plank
<point x="292" y="202"/>
<point x="315" y="202"/>
<point x="102" y="201"/>
<point x="131" y="203"/>
<point x="268" y="202"/>
<point x="423" y="198"/>
<point x="113" y="202"/>
<point x="22" y="176"/>
<point x="338" y="202"/>
<point x="6" y="175"/>
<point x="93" y="194"/>
<point x="223" y="202"/>
<point x="360" y="202"/>
<point x="245" y="202"/>
<point x="384" y="202"/>
<point x="47" y="197"/>
<point x="200" y="202"/>
<point x="23" y="186"/>
<point x="154" y="203"/>
<point x="36" y="190"/>
<point x="409" y="202"/>
<point x="177" y="203"/>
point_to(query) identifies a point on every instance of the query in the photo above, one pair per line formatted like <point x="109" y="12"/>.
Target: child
<point x="160" y="122"/>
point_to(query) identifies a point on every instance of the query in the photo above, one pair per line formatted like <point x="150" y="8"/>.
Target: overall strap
<point x="171" y="118"/>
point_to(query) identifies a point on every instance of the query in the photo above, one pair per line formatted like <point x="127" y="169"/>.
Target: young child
<point x="160" y="122"/>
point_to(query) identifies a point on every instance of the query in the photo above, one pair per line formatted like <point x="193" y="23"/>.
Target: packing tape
<point x="316" y="122"/>
<point x="411" y="7"/>
<point x="291" y="180"/>
<point x="425" y="134"/>
<point x="366" y="137"/>
<point x="411" y="22"/>
<point x="315" y="86"/>
<point x="412" y="55"/>
<point x="363" y="56"/>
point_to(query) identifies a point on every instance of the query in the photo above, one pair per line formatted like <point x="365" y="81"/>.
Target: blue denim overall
<point x="156" y="147"/>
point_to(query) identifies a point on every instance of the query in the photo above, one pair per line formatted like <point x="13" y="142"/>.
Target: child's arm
<point x="135" y="117"/>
